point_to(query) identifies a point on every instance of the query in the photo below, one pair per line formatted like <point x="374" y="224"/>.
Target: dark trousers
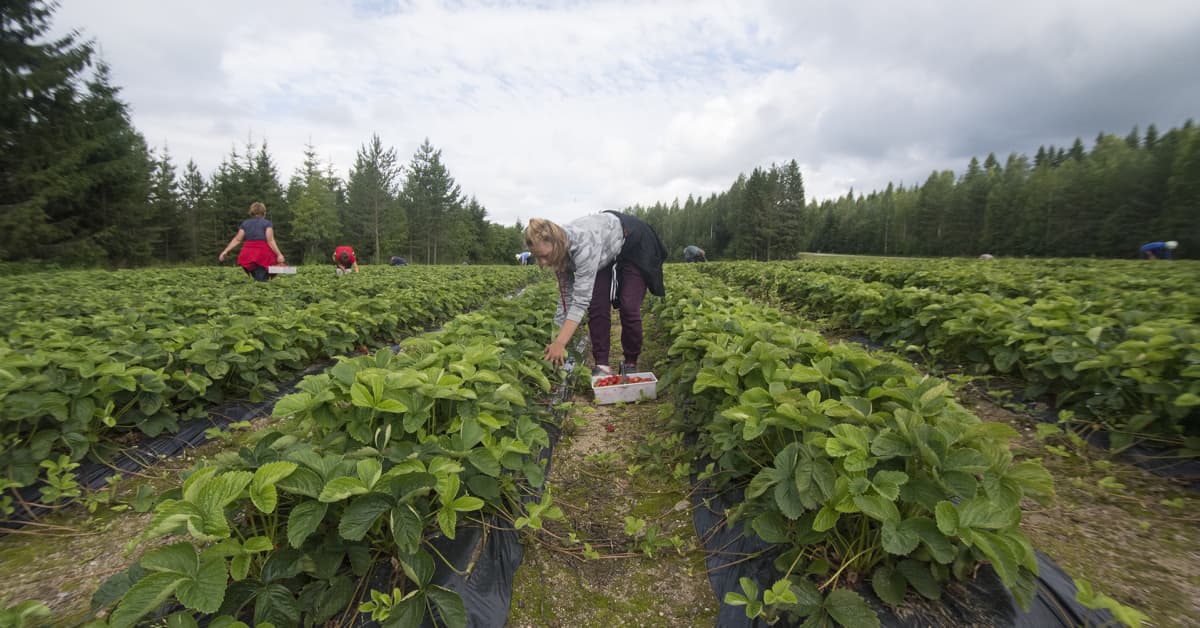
<point x="631" y="289"/>
<point x="259" y="273"/>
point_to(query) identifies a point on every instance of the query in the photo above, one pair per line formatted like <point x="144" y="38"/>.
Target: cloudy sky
<point x="560" y="109"/>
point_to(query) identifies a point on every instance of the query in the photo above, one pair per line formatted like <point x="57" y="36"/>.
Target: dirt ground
<point x="63" y="559"/>
<point x="614" y="462"/>
<point x="1135" y="536"/>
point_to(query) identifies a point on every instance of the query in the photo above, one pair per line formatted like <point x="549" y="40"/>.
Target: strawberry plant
<point x="858" y="468"/>
<point x="144" y="351"/>
<point x="1114" y="356"/>
<point x="388" y="450"/>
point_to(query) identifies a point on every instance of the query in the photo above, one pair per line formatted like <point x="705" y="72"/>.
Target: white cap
<point x="1172" y="244"/>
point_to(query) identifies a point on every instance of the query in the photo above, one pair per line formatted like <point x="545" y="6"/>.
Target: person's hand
<point x="280" y="258"/>
<point x="555" y="353"/>
<point x="221" y="257"/>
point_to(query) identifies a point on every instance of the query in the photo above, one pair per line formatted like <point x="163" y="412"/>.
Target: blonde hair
<point x="542" y="230"/>
<point x="258" y="209"/>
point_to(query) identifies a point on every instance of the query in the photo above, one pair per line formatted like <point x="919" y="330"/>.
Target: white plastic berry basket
<point x="626" y="393"/>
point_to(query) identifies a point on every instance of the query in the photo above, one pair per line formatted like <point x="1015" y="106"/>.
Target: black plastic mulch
<point x="150" y="451"/>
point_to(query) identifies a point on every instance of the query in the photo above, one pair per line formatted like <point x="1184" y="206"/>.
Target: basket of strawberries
<point x="626" y="388"/>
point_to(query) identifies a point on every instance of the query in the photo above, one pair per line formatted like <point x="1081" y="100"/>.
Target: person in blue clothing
<point x="523" y="258"/>
<point x="1158" y="250"/>
<point x="693" y="253"/>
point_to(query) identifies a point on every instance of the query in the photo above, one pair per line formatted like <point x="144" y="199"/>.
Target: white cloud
<point x="560" y="109"/>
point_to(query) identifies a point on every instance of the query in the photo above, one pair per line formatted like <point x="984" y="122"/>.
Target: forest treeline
<point x="80" y="186"/>
<point x="1066" y="202"/>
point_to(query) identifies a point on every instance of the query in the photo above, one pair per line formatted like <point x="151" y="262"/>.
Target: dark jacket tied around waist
<point x="644" y="250"/>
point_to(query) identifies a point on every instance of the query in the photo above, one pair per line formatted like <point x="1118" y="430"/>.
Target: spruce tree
<point x="198" y="230"/>
<point x="73" y="171"/>
<point x="166" y="206"/>
<point x="109" y="180"/>
<point x="373" y="216"/>
<point x="431" y="198"/>
<point x="1180" y="219"/>
<point x="38" y="91"/>
<point x="312" y="200"/>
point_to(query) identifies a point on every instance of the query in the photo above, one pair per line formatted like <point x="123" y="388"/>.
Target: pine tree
<point x="313" y="201"/>
<point x="262" y="185"/>
<point x="73" y="171"/>
<point x="787" y="216"/>
<point x="373" y="215"/>
<point x="1151" y="137"/>
<point x="1180" y="219"/>
<point x="965" y="220"/>
<point x="1118" y="172"/>
<point x="430" y="197"/>
<point x="167" y="207"/>
<point x="475" y="232"/>
<point x="111" y="183"/>
<point x="196" y="207"/>
<point x="229" y="199"/>
<point x="1133" y="140"/>
<point x="38" y="94"/>
<point x="1005" y="208"/>
<point x="936" y="202"/>
<point x="755" y="234"/>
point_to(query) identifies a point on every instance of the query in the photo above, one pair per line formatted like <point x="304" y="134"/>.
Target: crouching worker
<point x="343" y="257"/>
<point x="1158" y="250"/>
<point x="260" y="250"/>
<point x="602" y="261"/>
<point x="693" y="253"/>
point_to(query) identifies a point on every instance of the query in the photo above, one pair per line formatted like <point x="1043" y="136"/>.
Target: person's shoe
<point x="601" y="370"/>
<point x="628" y="367"/>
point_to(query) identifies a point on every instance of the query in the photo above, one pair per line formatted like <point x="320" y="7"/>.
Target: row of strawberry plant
<point x="385" y="452"/>
<point x="855" y="467"/>
<point x="185" y="294"/>
<point x="1138" y="373"/>
<point x="1124" y="283"/>
<point x="93" y="302"/>
<point x="68" y="390"/>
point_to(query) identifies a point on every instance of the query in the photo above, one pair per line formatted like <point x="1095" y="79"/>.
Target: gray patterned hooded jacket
<point x="593" y="242"/>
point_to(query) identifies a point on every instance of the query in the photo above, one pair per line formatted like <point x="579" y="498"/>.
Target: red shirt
<point x="337" y="255"/>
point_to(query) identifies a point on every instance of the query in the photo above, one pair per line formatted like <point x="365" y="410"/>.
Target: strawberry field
<point x="410" y="409"/>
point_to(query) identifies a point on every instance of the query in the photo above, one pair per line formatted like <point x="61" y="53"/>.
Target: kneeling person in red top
<point x="260" y="250"/>
<point x="346" y="262"/>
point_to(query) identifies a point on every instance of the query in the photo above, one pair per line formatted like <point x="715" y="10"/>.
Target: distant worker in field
<point x="346" y="261"/>
<point x="260" y="250"/>
<point x="602" y="261"/>
<point x="396" y="260"/>
<point x="523" y="258"/>
<point x="693" y="253"/>
<point x="986" y="256"/>
<point x="1158" y="250"/>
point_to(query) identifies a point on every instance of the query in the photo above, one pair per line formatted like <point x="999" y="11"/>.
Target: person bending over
<point x="344" y="258"/>
<point x="601" y="260"/>
<point x="1158" y="250"/>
